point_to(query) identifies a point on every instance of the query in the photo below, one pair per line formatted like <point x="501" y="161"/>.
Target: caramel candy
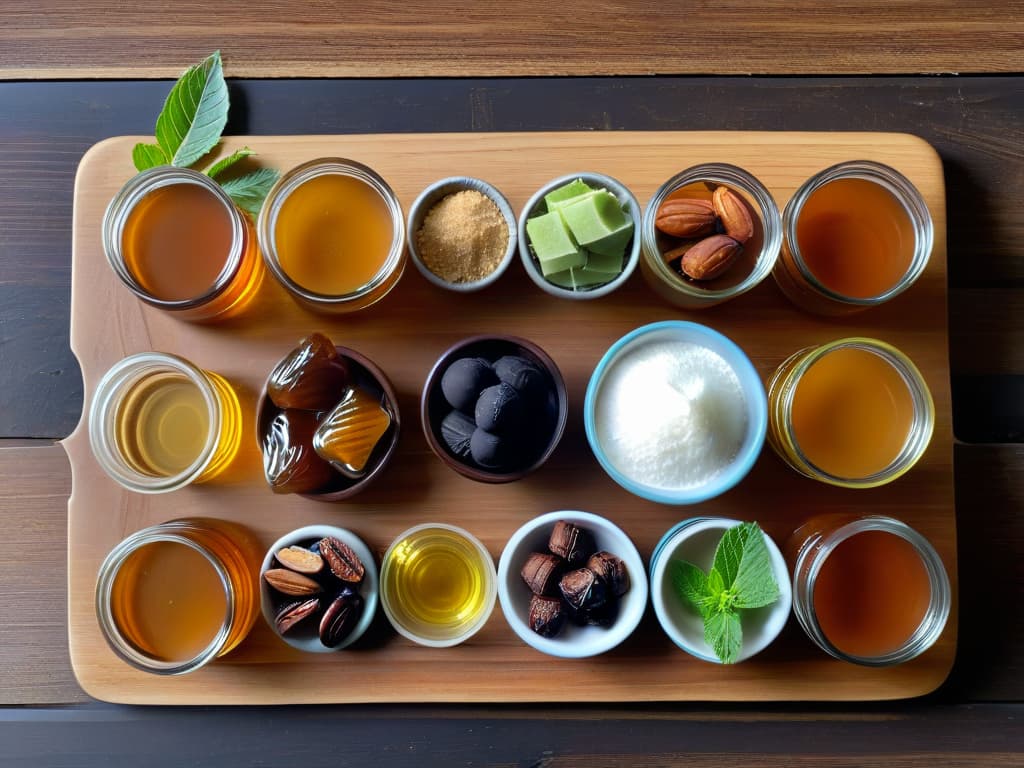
<point x="289" y="461"/>
<point x="571" y="542"/>
<point x="313" y="376"/>
<point x="348" y="434"/>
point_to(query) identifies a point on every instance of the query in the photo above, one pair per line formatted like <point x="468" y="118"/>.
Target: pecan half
<point x="292" y="613"/>
<point x="343" y="562"/>
<point x="341" y="617"/>
<point x="685" y="217"/>
<point x="710" y="257"/>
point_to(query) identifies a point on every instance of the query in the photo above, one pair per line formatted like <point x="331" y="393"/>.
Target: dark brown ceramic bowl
<point x="365" y="373"/>
<point x="434" y="407"/>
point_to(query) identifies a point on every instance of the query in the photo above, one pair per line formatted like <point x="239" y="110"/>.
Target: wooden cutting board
<point x="404" y="334"/>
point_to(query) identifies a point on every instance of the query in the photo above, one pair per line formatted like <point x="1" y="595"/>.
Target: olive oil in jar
<point x="437" y="584"/>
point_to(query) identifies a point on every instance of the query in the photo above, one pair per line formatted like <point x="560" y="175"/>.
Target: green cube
<point x="598" y="220"/>
<point x="574" y="188"/>
<point x="562" y="279"/>
<point x="553" y="244"/>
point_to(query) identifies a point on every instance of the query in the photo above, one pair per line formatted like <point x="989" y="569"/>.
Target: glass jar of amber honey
<point x="868" y="590"/>
<point x="855" y="235"/>
<point x="333" y="233"/>
<point x="178" y="241"/>
<point x="854" y="412"/>
<point x="175" y="596"/>
<point x="158" y="423"/>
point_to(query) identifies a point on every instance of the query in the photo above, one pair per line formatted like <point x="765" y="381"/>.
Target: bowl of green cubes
<point x="578" y="236"/>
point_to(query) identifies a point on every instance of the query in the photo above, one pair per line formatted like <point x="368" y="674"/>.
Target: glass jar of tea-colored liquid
<point x="868" y="590"/>
<point x="175" y="596"/>
<point x="158" y="423"/>
<point x="333" y="233"/>
<point x="176" y="239"/>
<point x="855" y="235"/>
<point x="854" y="412"/>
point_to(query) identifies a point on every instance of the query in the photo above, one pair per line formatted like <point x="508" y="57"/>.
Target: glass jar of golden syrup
<point x="855" y="235"/>
<point x="868" y="590"/>
<point x="854" y="412"/>
<point x="158" y="423"/>
<point x="178" y="241"/>
<point x="175" y="596"/>
<point x="333" y="233"/>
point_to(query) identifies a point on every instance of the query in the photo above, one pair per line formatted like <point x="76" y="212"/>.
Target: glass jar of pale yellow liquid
<point x="158" y="423"/>
<point x="438" y="585"/>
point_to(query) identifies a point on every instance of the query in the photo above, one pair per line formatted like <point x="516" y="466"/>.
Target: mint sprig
<point x="740" y="578"/>
<point x="190" y="125"/>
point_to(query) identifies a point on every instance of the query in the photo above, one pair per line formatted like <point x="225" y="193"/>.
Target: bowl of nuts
<point x="709" y="234"/>
<point x="318" y="588"/>
<point x="572" y="584"/>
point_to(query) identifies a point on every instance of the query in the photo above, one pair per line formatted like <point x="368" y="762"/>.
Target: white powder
<point x="671" y="414"/>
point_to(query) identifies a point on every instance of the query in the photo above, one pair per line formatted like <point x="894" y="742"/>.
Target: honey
<point x="870" y="590"/>
<point x="176" y="239"/>
<point x="333" y="233"/>
<point x="855" y="237"/>
<point x="157" y="423"/>
<point x="851" y="413"/>
<point x="172" y="597"/>
<point x="437" y="584"/>
<point x="855" y="412"/>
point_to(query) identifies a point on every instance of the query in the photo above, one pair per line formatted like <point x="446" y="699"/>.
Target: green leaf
<point x="715" y="582"/>
<point x="755" y="584"/>
<point x="692" y="584"/>
<point x="223" y="164"/>
<point x="249" y="191"/>
<point x="730" y="552"/>
<point x="723" y="632"/>
<point x="195" y="113"/>
<point x="149" y="156"/>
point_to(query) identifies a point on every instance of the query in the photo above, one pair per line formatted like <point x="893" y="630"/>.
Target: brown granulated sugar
<point x="463" y="237"/>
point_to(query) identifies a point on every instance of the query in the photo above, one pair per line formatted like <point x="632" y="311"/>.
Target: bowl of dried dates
<point x="572" y="584"/>
<point x="318" y="588"/>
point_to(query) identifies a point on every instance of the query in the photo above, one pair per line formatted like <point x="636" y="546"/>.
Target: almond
<point x="733" y="212"/>
<point x="685" y="218"/>
<point x="300" y="560"/>
<point x="710" y="257"/>
<point x="291" y="583"/>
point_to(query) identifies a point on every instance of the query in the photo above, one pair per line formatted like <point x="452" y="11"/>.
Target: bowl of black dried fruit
<point x="318" y="588"/>
<point x="327" y="421"/>
<point x="572" y="584"/>
<point x="494" y="408"/>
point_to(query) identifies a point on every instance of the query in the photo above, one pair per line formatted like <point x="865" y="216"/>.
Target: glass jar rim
<point x="939" y="604"/>
<point x="906" y="194"/>
<point x="107" y="400"/>
<point x="918" y="435"/>
<point x="490" y="574"/>
<point x="108" y="572"/>
<point x="296" y="177"/>
<point x="726" y="175"/>
<point x="131" y="194"/>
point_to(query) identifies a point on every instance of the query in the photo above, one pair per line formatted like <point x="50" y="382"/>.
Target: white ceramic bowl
<point x="436" y="192"/>
<point x="573" y="642"/>
<point x="597" y="180"/>
<point x="695" y="540"/>
<point x="305" y="635"/>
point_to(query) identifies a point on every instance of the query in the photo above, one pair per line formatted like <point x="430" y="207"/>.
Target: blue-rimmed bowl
<point x="695" y="541"/>
<point x="754" y="402"/>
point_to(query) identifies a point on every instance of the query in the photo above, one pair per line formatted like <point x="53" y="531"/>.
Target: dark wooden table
<point x="974" y="719"/>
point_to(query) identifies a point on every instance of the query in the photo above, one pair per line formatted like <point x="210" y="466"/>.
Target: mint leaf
<point x="249" y="191"/>
<point x="723" y="632"/>
<point x="147" y="156"/>
<point x="692" y="584"/>
<point x="195" y="113"/>
<point x="223" y="164"/>
<point x="730" y="552"/>
<point x="755" y="584"/>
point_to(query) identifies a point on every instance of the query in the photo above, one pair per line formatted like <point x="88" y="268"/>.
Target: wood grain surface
<point x="406" y="332"/>
<point x="377" y="38"/>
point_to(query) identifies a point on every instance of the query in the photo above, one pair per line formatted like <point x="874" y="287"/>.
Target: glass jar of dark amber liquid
<point x="175" y="596"/>
<point x="176" y="239"/>
<point x="868" y="590"/>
